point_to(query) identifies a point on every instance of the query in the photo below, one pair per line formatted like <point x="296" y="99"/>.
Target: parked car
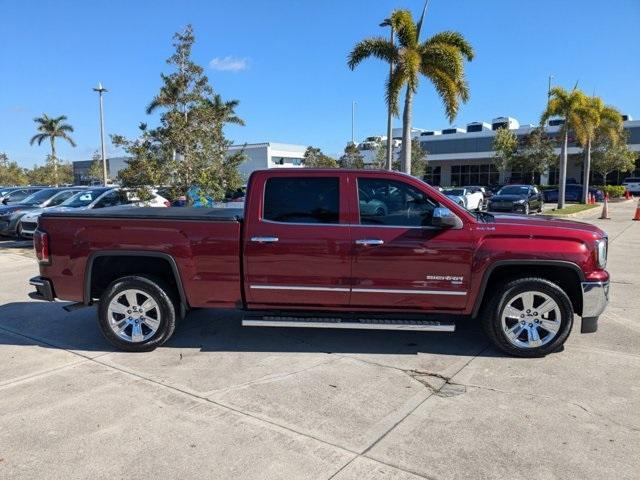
<point x="486" y="193"/>
<point x="10" y="215"/>
<point x="518" y="199"/>
<point x="632" y="184"/>
<point x="88" y="199"/>
<point x="303" y="253"/>
<point x="573" y="193"/>
<point x="16" y="194"/>
<point x="465" y="197"/>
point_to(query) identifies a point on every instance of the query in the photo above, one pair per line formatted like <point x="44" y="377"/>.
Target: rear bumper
<point x="44" y="289"/>
<point x="595" y="297"/>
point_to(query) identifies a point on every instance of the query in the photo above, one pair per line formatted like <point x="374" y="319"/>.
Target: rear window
<point x="302" y="200"/>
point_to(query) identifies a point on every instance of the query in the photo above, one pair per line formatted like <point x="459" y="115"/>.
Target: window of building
<point x="302" y="200"/>
<point x="432" y="175"/>
<point x="477" y="174"/>
<point x="286" y="161"/>
<point x="393" y="203"/>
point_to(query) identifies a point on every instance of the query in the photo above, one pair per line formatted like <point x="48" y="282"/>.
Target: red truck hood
<point x="544" y="221"/>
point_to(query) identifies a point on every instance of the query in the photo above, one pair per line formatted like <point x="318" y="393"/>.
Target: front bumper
<point x="595" y="297"/>
<point x="44" y="289"/>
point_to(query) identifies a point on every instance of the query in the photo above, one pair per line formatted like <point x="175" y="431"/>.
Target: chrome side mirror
<point x="445" y="218"/>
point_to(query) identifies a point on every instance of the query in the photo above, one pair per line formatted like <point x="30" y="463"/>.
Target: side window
<point x="18" y="195"/>
<point x="61" y="197"/>
<point x="394" y="203"/>
<point x="106" y="201"/>
<point x="302" y="200"/>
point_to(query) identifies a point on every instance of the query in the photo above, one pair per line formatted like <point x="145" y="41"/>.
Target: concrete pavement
<point x="220" y="401"/>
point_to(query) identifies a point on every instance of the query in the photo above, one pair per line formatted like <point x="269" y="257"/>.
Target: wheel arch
<point x="148" y="263"/>
<point x="567" y="275"/>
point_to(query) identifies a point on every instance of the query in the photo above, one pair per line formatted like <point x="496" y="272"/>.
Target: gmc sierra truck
<point x="307" y="251"/>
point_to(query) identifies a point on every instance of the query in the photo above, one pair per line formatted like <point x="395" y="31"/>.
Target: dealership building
<point x="464" y="156"/>
<point x="258" y="156"/>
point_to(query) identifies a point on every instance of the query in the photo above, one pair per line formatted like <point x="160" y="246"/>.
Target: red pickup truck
<point x="328" y="249"/>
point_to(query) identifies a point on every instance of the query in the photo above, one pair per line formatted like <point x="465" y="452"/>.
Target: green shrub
<point x="614" y="191"/>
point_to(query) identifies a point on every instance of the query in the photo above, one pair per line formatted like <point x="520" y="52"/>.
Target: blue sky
<point x="285" y="60"/>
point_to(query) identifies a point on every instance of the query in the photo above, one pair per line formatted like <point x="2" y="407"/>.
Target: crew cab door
<point x="297" y="248"/>
<point x="400" y="260"/>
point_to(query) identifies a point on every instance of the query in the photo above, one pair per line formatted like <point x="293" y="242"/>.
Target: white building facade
<point x="269" y="155"/>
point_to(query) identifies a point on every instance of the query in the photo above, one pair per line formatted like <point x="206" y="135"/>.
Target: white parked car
<point x="97" y="197"/>
<point x="471" y="200"/>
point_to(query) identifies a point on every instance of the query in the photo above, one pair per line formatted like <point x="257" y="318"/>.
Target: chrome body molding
<point x="300" y="288"/>
<point x="357" y="290"/>
<point x="595" y="297"/>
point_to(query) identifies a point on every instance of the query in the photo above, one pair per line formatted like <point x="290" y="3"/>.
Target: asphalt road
<point x="220" y="401"/>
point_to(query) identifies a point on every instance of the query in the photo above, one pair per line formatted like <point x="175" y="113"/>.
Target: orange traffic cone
<point x="637" y="217"/>
<point x="605" y="209"/>
<point x="592" y="199"/>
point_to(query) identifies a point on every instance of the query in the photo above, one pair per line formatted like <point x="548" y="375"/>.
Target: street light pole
<point x="387" y="23"/>
<point x="100" y="89"/>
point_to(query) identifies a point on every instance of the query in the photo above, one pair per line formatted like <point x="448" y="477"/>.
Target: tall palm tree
<point x="439" y="58"/>
<point x="570" y="106"/>
<point x="596" y="119"/>
<point x="50" y="128"/>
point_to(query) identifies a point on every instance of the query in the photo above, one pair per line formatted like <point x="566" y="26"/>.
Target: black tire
<point x="155" y="289"/>
<point x="19" y="235"/>
<point x="492" y="314"/>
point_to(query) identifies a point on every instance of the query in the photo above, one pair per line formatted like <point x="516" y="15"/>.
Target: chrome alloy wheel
<point x="134" y="316"/>
<point x="531" y="319"/>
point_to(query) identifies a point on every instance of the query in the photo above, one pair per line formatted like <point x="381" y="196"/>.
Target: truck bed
<point x="148" y="213"/>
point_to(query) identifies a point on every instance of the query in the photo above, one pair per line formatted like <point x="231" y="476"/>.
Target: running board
<point x="351" y="323"/>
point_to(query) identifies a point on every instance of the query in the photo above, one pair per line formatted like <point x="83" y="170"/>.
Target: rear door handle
<point x="370" y="242"/>
<point x="264" y="239"/>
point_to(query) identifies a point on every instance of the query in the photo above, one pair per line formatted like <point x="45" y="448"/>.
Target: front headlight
<point x="521" y="201"/>
<point x="601" y="252"/>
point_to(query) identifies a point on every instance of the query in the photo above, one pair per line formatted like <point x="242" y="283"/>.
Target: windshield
<point x="458" y="192"/>
<point x="61" y="197"/>
<point x="40" y="196"/>
<point x="514" y="190"/>
<point x="84" y="198"/>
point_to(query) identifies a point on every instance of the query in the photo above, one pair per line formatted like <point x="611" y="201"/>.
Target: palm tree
<point x="51" y="128"/>
<point x="439" y="58"/>
<point x="570" y="106"/>
<point x="596" y="119"/>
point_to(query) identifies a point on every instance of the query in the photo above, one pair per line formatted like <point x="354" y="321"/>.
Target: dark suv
<point x="517" y="198"/>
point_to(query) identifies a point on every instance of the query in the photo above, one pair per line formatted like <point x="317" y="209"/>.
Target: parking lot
<point x="221" y="401"/>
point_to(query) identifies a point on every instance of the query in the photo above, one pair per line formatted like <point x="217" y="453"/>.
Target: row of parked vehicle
<point x="22" y="206"/>
<point x="522" y="199"/>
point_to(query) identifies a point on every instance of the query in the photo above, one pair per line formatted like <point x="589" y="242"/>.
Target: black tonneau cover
<point x="172" y="213"/>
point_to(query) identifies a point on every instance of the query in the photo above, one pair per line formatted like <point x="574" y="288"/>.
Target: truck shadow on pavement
<point x="48" y="325"/>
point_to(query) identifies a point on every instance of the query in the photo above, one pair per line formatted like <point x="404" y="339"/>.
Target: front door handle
<point x="370" y="242"/>
<point x="264" y="239"/>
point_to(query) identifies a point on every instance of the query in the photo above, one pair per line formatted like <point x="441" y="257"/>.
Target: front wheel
<point x="529" y="317"/>
<point x="136" y="313"/>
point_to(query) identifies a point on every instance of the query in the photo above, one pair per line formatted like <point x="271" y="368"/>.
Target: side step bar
<point x="351" y="323"/>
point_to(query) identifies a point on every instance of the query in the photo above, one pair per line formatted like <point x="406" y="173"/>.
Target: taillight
<point x="41" y="246"/>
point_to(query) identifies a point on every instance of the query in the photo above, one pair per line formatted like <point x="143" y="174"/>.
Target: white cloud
<point x="229" y="64"/>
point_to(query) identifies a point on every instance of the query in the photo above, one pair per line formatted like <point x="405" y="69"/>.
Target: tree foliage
<point x="51" y="173"/>
<point x="535" y="153"/>
<point x="11" y="173"/>
<point x="352" y="157"/>
<point x="96" y="170"/>
<point x="315" y="158"/>
<point x="189" y="146"/>
<point x="505" y="146"/>
<point x="419" y="154"/>
<point x="440" y="59"/>
<point x="51" y="128"/>
<point x="610" y="155"/>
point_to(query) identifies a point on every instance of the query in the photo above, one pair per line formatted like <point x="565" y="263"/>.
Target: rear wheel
<point x="529" y="317"/>
<point x="136" y="313"/>
<point x="19" y="234"/>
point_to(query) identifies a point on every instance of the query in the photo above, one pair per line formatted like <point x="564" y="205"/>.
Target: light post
<point x="100" y="89"/>
<point x="387" y="23"/>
